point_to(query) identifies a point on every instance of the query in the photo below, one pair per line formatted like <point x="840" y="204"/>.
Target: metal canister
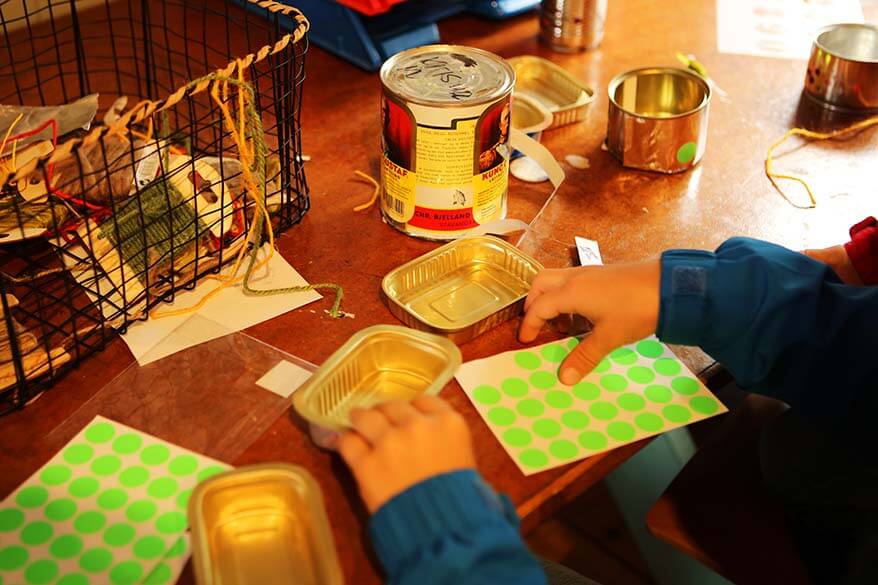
<point x="843" y="68"/>
<point x="658" y="119"/>
<point x="568" y="26"/>
<point x="446" y="114"/>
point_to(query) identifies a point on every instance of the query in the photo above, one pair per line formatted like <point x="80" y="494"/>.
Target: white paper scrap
<point x="778" y="28"/>
<point x="589" y="253"/>
<point x="284" y="378"/>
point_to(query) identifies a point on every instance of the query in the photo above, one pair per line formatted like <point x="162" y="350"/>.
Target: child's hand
<point x="837" y="258"/>
<point x="621" y="301"/>
<point x="399" y="444"/>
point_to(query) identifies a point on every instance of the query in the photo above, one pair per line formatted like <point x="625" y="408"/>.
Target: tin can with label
<point x="446" y="114"/>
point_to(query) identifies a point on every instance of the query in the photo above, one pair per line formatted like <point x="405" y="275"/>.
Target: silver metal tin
<point x="843" y="68"/>
<point x="568" y="26"/>
<point x="658" y="119"/>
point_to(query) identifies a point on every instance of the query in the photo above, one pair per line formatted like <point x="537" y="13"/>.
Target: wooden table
<point x="634" y="215"/>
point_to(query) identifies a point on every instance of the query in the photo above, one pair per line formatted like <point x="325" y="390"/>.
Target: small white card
<point x="589" y="252"/>
<point x="284" y="378"/>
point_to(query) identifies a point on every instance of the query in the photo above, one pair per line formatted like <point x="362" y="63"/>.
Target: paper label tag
<point x="589" y="253"/>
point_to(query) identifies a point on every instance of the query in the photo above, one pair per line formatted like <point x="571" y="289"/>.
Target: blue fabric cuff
<point x="685" y="285"/>
<point x="432" y="510"/>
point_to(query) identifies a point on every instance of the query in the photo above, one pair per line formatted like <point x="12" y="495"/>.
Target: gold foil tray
<point x="561" y="93"/>
<point x="378" y="364"/>
<point x="461" y="289"/>
<point x="262" y="525"/>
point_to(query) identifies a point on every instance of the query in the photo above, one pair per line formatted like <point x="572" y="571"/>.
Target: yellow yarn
<point x="374" y="198"/>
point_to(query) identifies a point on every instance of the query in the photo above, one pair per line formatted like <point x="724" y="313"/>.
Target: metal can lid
<point x="447" y="75"/>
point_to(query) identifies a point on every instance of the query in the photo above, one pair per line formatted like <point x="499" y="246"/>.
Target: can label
<point x="444" y="171"/>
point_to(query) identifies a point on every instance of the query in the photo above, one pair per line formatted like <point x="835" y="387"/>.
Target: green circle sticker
<point x="641" y="374"/>
<point x="11" y="519"/>
<point x="500" y="416"/>
<point x="554" y="353"/>
<point x="631" y="402"/>
<point x="546" y="428"/>
<point x="586" y="391"/>
<point x="83" y="487"/>
<point x="215" y="469"/>
<point x="602" y="410"/>
<point x="73" y="579"/>
<point x="78" y="453"/>
<point x="527" y="360"/>
<point x="592" y="440"/>
<point x="621" y="431"/>
<point x="183" y="498"/>
<point x="574" y="341"/>
<point x="704" y="404"/>
<point x="163" y="487"/>
<point x="106" y="465"/>
<point x="89" y="522"/>
<point x="95" y="560"/>
<point x="149" y="547"/>
<point x="126" y="573"/>
<point x="486" y="395"/>
<point x="563" y="449"/>
<point x="55" y="474"/>
<point x="649" y="348"/>
<point x="667" y="366"/>
<point x="134" y="476"/>
<point x="32" y="497"/>
<point x="559" y="399"/>
<point x="686" y="153"/>
<point x="154" y="455"/>
<point x="140" y="511"/>
<point x="573" y="419"/>
<point x="530" y="407"/>
<point x="533" y="458"/>
<point x="112" y="499"/>
<point x="159" y="576"/>
<point x="119" y="534"/>
<point x="543" y="380"/>
<point x="624" y="356"/>
<point x="658" y="393"/>
<point x="614" y="382"/>
<point x="514" y="387"/>
<point x="12" y="558"/>
<point x="676" y="413"/>
<point x="649" y="422"/>
<point x="602" y="366"/>
<point x="60" y="509"/>
<point x="514" y="437"/>
<point x="41" y="572"/>
<point x="685" y="385"/>
<point x="127" y="444"/>
<point x="36" y="533"/>
<point x="100" y="432"/>
<point x="66" y="546"/>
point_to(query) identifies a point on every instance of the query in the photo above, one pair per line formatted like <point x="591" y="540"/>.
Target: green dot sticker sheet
<point x="638" y="391"/>
<point x="109" y="508"/>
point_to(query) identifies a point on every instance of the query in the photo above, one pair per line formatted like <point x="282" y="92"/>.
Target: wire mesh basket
<point x="145" y="145"/>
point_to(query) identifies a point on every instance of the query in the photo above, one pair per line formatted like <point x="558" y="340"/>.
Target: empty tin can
<point x="658" y="119"/>
<point x="377" y="364"/>
<point x="572" y="25"/>
<point x="262" y="525"/>
<point x="843" y="68"/>
<point x="461" y="289"/>
<point x="565" y="96"/>
<point x="445" y="114"/>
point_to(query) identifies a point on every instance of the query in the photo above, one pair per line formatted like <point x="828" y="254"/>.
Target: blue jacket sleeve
<point x="452" y="528"/>
<point x="782" y="323"/>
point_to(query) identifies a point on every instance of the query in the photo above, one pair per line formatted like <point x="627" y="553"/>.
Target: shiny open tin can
<point x="658" y="119"/>
<point x="843" y="68"/>
<point x="461" y="289"/>
<point x="553" y="87"/>
<point x="377" y="364"/>
<point x="262" y="525"/>
<point x="531" y="117"/>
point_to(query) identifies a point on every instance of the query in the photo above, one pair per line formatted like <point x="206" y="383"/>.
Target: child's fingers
<point x="548" y="306"/>
<point x="352" y="447"/>
<point x="586" y="356"/>
<point x="546" y="280"/>
<point x="428" y="404"/>
<point x="371" y="424"/>
<point x="398" y="412"/>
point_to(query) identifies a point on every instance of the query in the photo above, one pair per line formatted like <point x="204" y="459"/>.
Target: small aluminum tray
<point x="377" y="364"/>
<point x="562" y="94"/>
<point x="262" y="525"/>
<point x="461" y="289"/>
